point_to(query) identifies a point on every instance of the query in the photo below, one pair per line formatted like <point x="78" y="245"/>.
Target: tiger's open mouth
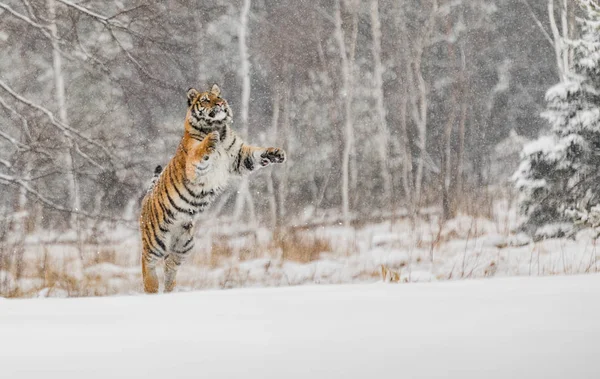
<point x="218" y="114"/>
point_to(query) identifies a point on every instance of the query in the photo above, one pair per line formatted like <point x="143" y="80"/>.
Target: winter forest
<point x="426" y="139"/>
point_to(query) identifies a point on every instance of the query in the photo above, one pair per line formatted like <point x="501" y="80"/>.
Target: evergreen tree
<point x="559" y="175"/>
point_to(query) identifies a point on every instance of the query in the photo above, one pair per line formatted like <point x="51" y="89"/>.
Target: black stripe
<point x="194" y="194"/>
<point x="151" y="245"/>
<point x="197" y="138"/>
<point x="177" y="208"/>
<point x="185" y="251"/>
<point x="154" y="211"/>
<point x="223" y="134"/>
<point x="183" y="180"/>
<point x="232" y="143"/>
<point x="160" y="242"/>
<point x="157" y="239"/>
<point x="156" y="254"/>
<point x="171" y="201"/>
<point x="169" y="215"/>
<point x="201" y="129"/>
<point x="238" y="159"/>
<point x="188" y="241"/>
<point x="158" y="218"/>
<point x="151" y="248"/>
<point x="188" y="201"/>
<point x="249" y="163"/>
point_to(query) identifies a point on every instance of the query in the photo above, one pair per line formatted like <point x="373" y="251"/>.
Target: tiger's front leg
<point x="252" y="158"/>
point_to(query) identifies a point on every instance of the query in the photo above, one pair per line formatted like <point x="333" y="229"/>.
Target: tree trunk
<point x="561" y="48"/>
<point x="421" y="103"/>
<point x="270" y="183"/>
<point x="244" y="198"/>
<point x="382" y="130"/>
<point x="405" y="146"/>
<point x="348" y="127"/>
<point x="282" y="140"/>
<point x="420" y="113"/>
<point x="59" y="88"/>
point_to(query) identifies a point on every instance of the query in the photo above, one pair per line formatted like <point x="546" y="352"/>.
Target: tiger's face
<point x="208" y="110"/>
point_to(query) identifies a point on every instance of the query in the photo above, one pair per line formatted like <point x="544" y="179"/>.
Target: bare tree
<point x="347" y="102"/>
<point x="382" y="129"/>
<point x="560" y="38"/>
<point x="59" y="89"/>
<point x="419" y="101"/>
<point x="244" y="197"/>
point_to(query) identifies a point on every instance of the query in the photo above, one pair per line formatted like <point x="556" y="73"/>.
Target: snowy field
<point x="228" y="256"/>
<point x="492" y="328"/>
<point x="225" y="257"/>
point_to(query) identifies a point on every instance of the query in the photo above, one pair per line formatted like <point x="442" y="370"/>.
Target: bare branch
<point x="20" y="116"/>
<point x="29" y="9"/>
<point x="5" y="163"/>
<point x="67" y="130"/>
<point x="102" y="19"/>
<point x="538" y="22"/>
<point x="22" y="17"/>
<point x="138" y="64"/>
<point x="108" y="22"/>
<point x="11" y="180"/>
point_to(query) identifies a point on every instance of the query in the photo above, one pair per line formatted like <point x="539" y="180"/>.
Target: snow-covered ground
<point x="229" y="257"/>
<point x="488" y="328"/>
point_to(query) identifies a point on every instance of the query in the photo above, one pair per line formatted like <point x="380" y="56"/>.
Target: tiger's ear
<point x="215" y="90"/>
<point x="192" y="94"/>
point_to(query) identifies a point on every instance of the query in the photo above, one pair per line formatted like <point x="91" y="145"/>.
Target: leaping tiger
<point x="209" y="154"/>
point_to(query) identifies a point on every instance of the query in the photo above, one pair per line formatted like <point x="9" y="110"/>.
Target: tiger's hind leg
<point x="181" y="249"/>
<point x="149" y="273"/>
<point x="172" y="263"/>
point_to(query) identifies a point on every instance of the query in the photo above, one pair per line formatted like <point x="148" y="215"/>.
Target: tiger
<point x="207" y="157"/>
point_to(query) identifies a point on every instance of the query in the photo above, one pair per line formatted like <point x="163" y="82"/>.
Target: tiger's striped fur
<point x="209" y="154"/>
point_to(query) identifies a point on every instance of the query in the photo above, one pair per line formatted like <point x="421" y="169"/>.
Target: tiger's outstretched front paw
<point x="272" y="155"/>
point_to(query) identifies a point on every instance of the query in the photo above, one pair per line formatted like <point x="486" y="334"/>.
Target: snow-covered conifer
<point x="559" y="175"/>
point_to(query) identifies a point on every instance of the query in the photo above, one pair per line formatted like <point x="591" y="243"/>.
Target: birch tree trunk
<point x="405" y="146"/>
<point x="420" y="103"/>
<point x="347" y="98"/>
<point x="561" y="48"/>
<point x="270" y="182"/>
<point x="406" y="152"/>
<point x="282" y="140"/>
<point x="59" y="88"/>
<point x="244" y="197"/>
<point x="565" y="37"/>
<point x="382" y="130"/>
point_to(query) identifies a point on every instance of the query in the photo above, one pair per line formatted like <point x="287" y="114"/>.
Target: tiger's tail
<point x="157" y="172"/>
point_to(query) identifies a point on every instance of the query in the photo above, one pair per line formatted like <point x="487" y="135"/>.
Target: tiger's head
<point x="207" y="111"/>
